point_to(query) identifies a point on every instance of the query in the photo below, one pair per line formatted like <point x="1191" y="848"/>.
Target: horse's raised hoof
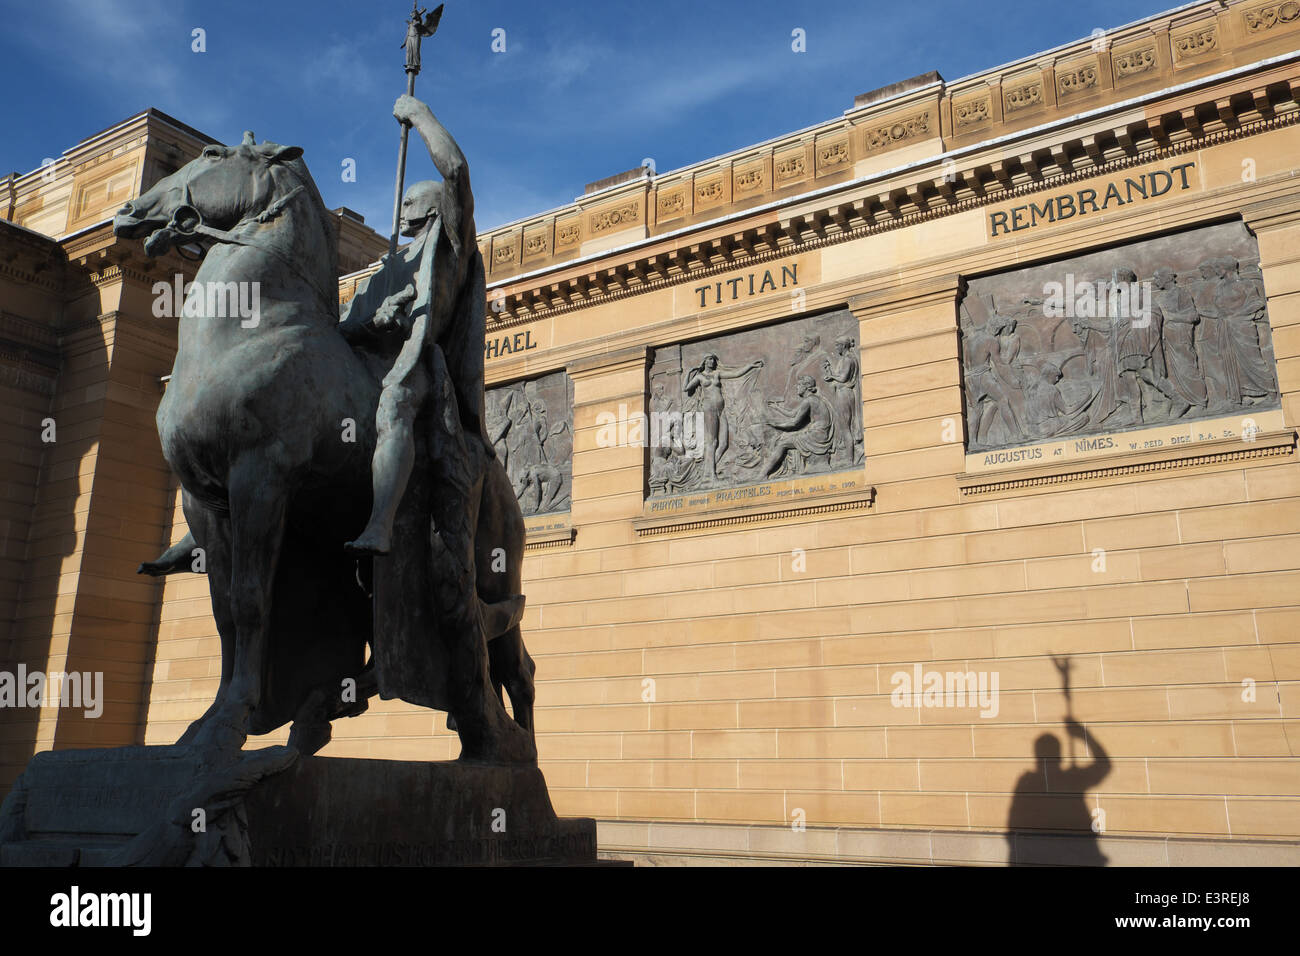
<point x="179" y="557"/>
<point x="169" y="562"/>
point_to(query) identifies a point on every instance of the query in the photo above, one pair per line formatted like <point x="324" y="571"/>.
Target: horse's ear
<point x="283" y="154"/>
<point x="249" y="138"/>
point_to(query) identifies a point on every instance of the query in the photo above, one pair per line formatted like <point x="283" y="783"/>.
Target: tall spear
<point x="1063" y="665"/>
<point x="418" y="26"/>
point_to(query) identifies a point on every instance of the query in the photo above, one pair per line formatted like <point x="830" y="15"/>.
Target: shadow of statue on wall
<point x="44" y="630"/>
<point x="1050" y="822"/>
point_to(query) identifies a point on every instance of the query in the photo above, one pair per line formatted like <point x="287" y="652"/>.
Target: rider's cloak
<point x="410" y="652"/>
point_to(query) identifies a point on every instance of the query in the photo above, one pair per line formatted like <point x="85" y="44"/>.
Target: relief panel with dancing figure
<point x="778" y="403"/>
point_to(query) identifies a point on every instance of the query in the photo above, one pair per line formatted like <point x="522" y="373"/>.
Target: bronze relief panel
<point x="778" y="402"/>
<point x="1150" y="333"/>
<point x="530" y="424"/>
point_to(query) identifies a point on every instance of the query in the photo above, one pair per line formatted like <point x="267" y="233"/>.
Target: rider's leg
<point x="390" y="469"/>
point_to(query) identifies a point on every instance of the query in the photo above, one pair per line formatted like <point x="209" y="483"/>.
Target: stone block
<point x="85" y="807"/>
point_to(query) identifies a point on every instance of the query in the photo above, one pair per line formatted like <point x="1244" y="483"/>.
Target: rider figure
<point x="421" y="292"/>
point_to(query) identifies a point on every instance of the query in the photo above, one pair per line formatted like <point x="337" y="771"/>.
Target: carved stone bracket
<point x="554" y="538"/>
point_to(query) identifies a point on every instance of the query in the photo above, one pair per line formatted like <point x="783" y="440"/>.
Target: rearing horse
<point x="269" y="424"/>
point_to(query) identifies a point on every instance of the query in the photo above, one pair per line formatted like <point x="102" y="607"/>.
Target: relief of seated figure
<point x="808" y="431"/>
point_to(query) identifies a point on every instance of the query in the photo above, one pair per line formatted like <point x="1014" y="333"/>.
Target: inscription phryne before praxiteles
<point x="531" y="427"/>
<point x="778" y="402"/>
<point x="1151" y="333"/>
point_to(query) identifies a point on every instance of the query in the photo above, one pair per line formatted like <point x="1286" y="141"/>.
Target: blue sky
<point x="582" y="91"/>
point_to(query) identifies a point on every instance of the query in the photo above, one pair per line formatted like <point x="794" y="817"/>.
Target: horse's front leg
<point x="258" y="501"/>
<point x="211" y="534"/>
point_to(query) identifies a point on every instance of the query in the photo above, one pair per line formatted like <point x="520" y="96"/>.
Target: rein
<point x="187" y="223"/>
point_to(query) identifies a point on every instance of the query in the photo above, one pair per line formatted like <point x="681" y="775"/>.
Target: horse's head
<point x="223" y="187"/>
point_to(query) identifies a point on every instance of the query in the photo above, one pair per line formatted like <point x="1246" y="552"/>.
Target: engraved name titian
<point x="750" y="284"/>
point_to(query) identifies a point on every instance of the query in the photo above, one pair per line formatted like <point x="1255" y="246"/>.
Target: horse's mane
<point x="329" y="225"/>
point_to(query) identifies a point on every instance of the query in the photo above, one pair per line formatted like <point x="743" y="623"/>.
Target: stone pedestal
<point x="86" y="807"/>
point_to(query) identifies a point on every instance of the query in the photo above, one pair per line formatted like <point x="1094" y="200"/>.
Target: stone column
<point x="610" y="436"/>
<point x="911" y="389"/>
<point x="1276" y="224"/>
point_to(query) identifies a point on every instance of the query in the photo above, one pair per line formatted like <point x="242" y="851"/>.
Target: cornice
<point x="1132" y="65"/>
<point x="28" y="333"/>
<point x="105" y="259"/>
<point x="49" y="280"/>
<point x="31" y="258"/>
<point x="843" y="215"/>
<point x="883" y="301"/>
<point x="545" y="540"/>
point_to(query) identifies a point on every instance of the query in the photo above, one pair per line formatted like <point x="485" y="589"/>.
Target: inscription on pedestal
<point x="792" y="493"/>
<point x="1244" y="428"/>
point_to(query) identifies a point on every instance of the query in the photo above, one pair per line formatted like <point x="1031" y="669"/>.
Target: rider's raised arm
<point x="457" y="200"/>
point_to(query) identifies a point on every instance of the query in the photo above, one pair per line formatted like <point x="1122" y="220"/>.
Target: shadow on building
<point x="88" y="495"/>
<point x="54" y="370"/>
<point x="1050" y="822"/>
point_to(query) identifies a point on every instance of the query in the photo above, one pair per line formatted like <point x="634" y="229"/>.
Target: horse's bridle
<point x="187" y="224"/>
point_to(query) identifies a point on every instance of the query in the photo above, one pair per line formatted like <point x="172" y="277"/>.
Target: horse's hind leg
<point x="459" y="467"/>
<point x="211" y="532"/>
<point x="513" y="668"/>
<point x="311" y="728"/>
<point x="257" y="511"/>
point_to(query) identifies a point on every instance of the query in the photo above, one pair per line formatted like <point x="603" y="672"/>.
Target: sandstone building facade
<point x="919" y="486"/>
